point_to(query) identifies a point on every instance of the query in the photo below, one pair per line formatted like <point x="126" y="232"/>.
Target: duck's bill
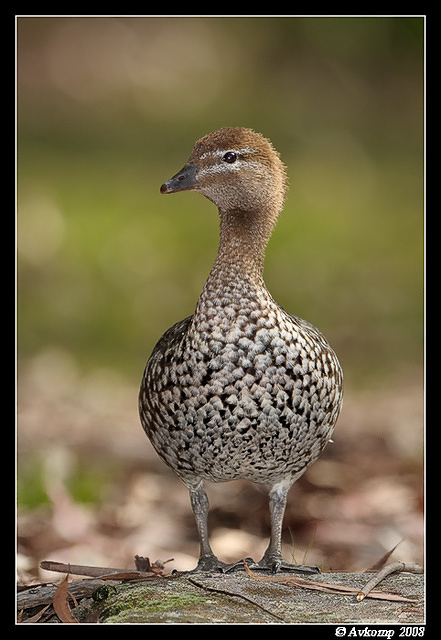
<point x="184" y="180"/>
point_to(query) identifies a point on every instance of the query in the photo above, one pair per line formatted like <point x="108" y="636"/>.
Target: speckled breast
<point x="240" y="390"/>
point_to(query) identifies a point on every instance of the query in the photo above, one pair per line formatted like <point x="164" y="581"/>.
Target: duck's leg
<point x="200" y="505"/>
<point x="272" y="559"/>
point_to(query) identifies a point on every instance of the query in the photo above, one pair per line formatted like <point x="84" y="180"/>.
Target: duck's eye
<point x="230" y="157"/>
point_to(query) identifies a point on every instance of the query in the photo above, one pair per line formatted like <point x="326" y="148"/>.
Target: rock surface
<point x="237" y="598"/>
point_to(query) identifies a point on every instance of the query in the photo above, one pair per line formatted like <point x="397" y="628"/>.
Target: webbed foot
<point x="206" y="564"/>
<point x="278" y="565"/>
<point x="211" y="564"/>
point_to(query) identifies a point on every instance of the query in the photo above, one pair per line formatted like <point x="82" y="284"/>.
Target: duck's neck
<point x="243" y="239"/>
<point x="238" y="270"/>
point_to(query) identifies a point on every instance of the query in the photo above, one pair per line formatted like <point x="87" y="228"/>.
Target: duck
<point x="241" y="389"/>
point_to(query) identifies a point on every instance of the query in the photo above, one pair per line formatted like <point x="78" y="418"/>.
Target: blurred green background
<point x="110" y="107"/>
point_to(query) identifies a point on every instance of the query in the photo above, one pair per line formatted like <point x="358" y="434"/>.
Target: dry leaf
<point x="61" y="604"/>
<point x="324" y="586"/>
<point x="34" y="618"/>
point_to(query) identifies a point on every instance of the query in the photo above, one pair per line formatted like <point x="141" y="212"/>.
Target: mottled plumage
<point x="241" y="389"/>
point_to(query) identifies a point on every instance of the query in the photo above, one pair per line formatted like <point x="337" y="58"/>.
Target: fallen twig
<point x="104" y="573"/>
<point x="384" y="572"/>
<point x="235" y="594"/>
<point x="36" y="595"/>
